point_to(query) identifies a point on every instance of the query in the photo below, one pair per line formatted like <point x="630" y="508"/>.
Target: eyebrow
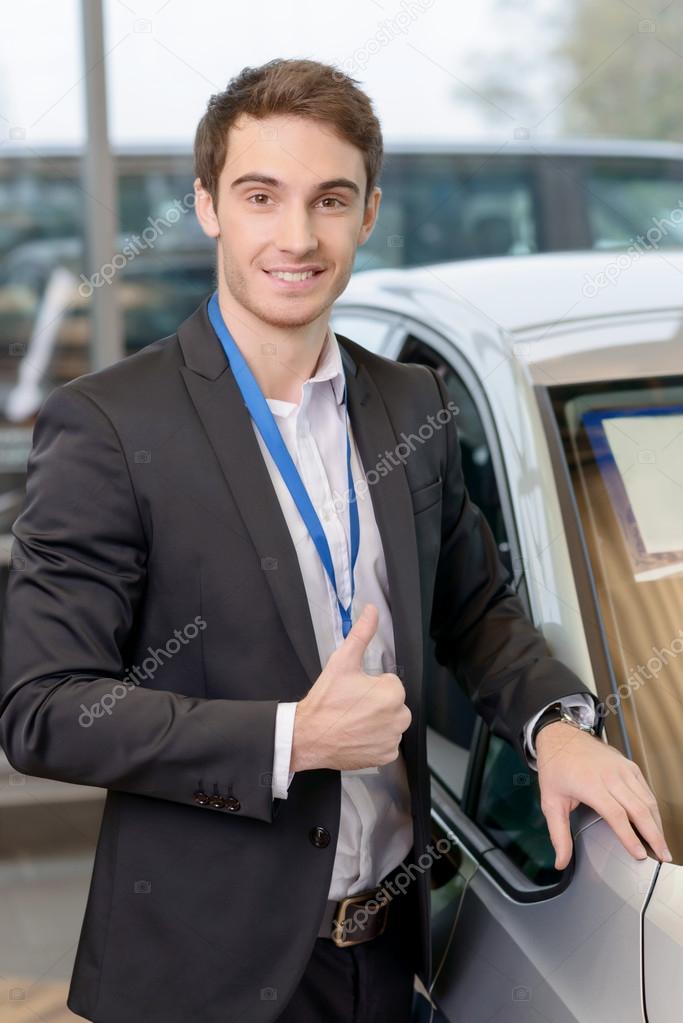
<point x="323" y="186"/>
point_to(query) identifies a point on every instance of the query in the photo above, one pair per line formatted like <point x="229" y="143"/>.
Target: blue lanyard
<point x="263" y="417"/>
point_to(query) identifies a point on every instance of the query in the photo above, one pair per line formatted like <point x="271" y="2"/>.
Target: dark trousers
<point x="371" y="982"/>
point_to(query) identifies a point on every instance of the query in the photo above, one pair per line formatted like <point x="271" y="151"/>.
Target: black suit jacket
<point x="154" y="617"/>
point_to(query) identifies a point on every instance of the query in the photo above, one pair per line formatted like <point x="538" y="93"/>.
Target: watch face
<point x="584" y="716"/>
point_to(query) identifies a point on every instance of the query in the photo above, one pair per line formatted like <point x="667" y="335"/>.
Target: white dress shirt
<point x="376" y="827"/>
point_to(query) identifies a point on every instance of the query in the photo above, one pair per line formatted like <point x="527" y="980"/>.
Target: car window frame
<point x="582" y="571"/>
<point x="459" y="817"/>
<point x="356" y="311"/>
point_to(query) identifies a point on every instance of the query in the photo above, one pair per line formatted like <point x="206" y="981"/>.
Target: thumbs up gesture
<point x="349" y="719"/>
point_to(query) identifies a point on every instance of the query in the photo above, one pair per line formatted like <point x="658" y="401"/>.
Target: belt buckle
<point x="339" y="920"/>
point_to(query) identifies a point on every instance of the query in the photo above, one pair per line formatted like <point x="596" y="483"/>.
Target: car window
<point x="502" y="794"/>
<point x="508" y="810"/>
<point x="443" y="206"/>
<point x="626" y="204"/>
<point x="451" y="717"/>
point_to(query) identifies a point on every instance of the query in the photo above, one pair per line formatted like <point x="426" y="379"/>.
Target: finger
<point x="556" y="814"/>
<point x="616" y="816"/>
<point x="641" y="788"/>
<point x="641" y="815"/>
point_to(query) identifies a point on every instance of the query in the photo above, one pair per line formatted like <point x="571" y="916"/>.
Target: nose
<point x="294" y="232"/>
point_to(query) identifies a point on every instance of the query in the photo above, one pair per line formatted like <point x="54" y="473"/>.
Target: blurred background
<point x="510" y="129"/>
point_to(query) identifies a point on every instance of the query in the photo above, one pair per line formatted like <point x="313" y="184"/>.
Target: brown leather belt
<point x="358" y="917"/>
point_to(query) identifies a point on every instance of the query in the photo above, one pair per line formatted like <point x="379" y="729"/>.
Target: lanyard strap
<point x="265" y="421"/>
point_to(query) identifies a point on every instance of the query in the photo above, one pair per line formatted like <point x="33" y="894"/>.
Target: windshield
<point x="623" y="443"/>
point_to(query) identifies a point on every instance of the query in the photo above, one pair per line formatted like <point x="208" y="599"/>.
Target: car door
<point x="513" y="938"/>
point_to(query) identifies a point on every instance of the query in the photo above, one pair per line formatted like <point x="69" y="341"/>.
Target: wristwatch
<point x="581" y="717"/>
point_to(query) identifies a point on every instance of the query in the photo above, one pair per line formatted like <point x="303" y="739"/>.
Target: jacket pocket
<point x="424" y="497"/>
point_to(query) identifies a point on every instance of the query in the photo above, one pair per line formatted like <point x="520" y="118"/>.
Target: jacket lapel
<point x="226" y="420"/>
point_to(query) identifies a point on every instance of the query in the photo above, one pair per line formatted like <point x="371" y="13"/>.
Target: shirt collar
<point x="330" y="366"/>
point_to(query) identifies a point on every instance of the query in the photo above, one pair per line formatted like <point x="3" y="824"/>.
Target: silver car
<point x="568" y="373"/>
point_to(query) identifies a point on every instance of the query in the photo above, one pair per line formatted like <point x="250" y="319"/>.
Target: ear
<point x="204" y="210"/>
<point x="370" y="215"/>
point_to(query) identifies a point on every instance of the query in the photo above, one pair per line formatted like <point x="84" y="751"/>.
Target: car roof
<point x="553" y="305"/>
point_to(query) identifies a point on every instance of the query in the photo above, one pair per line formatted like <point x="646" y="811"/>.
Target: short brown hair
<point x="304" y="88"/>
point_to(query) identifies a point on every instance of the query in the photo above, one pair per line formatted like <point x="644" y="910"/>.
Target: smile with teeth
<point x="283" y="276"/>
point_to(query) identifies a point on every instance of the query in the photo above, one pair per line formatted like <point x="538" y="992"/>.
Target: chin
<point x="283" y="318"/>
<point x="290" y="312"/>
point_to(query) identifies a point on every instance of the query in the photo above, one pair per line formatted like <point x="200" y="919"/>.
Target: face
<point x="290" y="196"/>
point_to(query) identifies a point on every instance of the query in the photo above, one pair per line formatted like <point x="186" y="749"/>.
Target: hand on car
<point x="576" y="767"/>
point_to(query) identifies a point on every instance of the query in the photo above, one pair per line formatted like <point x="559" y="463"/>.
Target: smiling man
<point x="264" y="851"/>
<point x="286" y="237"/>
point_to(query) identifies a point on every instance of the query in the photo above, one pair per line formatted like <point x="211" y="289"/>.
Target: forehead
<point x="298" y="151"/>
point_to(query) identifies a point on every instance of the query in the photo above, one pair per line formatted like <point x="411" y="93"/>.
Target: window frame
<point x="392" y="321"/>
<point x="460" y="817"/>
<point x="582" y="570"/>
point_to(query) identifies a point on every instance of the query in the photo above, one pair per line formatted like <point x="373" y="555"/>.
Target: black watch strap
<point x="556" y="712"/>
<point x="550" y="714"/>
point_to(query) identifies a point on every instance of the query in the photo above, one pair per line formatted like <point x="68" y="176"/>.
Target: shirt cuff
<point x="284" y="736"/>
<point x="574" y="700"/>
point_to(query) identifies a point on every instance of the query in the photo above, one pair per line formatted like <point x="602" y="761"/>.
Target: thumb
<point x="350" y="654"/>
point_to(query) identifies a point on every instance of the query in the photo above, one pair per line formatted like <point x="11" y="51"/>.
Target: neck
<point x="281" y="358"/>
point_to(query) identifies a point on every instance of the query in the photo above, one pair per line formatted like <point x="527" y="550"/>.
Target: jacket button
<point x="200" y="797"/>
<point x="217" y="801"/>
<point x="231" y="803"/>
<point x="319" y="836"/>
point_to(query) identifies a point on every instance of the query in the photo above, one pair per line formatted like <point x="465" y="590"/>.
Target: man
<point x="212" y="501"/>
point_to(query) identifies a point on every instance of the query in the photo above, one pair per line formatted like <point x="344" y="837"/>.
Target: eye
<point x="257" y="195"/>
<point x="334" y="199"/>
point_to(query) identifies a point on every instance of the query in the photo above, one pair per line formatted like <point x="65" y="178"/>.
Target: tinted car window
<point x="508" y="809"/>
<point x="440" y="206"/>
<point x="624" y="203"/>
<point x="451" y="717"/>
<point x="506" y="803"/>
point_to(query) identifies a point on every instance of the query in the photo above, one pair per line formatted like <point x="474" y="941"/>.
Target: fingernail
<point x="642" y="854"/>
<point x="666" y="855"/>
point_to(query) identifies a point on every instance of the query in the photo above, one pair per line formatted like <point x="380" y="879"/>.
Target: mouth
<point x="295" y="282"/>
